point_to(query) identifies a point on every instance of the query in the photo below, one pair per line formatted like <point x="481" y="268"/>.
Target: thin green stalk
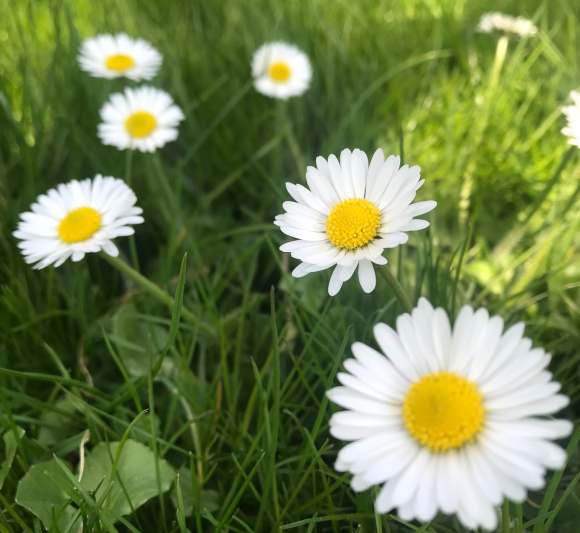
<point x="505" y="517"/>
<point x="128" y="176"/>
<point x="129" y="166"/>
<point x="168" y="189"/>
<point x="396" y="288"/>
<point x="464" y="247"/>
<point x="155" y="291"/>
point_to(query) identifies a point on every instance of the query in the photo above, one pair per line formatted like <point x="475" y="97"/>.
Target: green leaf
<point x="59" y="423"/>
<point x="138" y="343"/>
<point x="124" y="477"/>
<point x="46" y="492"/>
<point x="193" y="389"/>
<point x="11" y="440"/>
<point x="208" y="500"/>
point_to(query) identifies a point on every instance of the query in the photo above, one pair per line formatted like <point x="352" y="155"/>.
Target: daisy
<point x="506" y="23"/>
<point x="76" y="218"/>
<point x="349" y="214"/>
<point x="572" y="113"/>
<point x="143" y="119"/>
<point x="116" y="56"/>
<point x="448" y="419"/>
<point x="281" y="70"/>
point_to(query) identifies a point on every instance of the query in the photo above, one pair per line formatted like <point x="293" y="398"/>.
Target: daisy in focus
<point x="117" y="56"/>
<point x="572" y="114"/>
<point x="448" y="419"/>
<point x="520" y="26"/>
<point x="281" y="70"/>
<point x="141" y="119"/>
<point x="350" y="213"/>
<point x="77" y="218"/>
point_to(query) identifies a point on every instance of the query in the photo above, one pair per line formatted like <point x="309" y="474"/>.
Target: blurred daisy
<point x="76" y="218"/>
<point x="142" y="119"/>
<point x="350" y="212"/>
<point x="490" y="22"/>
<point x="281" y="70"/>
<point x="449" y="420"/>
<point x="572" y="113"/>
<point x="116" y="56"/>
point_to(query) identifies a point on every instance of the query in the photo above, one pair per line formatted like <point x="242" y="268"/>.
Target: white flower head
<point x="141" y="119"/>
<point x="521" y="26"/>
<point x="448" y="419"/>
<point x="77" y="218"/>
<point x="572" y="114"/>
<point x="350" y="213"/>
<point x="116" y="56"/>
<point x="281" y="70"/>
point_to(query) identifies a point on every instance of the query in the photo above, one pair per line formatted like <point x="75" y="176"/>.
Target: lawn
<point x="193" y="398"/>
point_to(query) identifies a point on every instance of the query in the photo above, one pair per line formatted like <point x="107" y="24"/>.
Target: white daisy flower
<point x="142" y="119"/>
<point x="76" y="218"/>
<point x="521" y="26"/>
<point x="450" y="420"/>
<point x="351" y="212"/>
<point x="572" y="113"/>
<point x="116" y="56"/>
<point x="281" y="70"/>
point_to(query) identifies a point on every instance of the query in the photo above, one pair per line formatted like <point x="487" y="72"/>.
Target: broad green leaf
<point x="193" y="389"/>
<point x="46" y="492"/>
<point x="11" y="440"/>
<point x="209" y="499"/>
<point x="58" y="423"/>
<point x="137" y="342"/>
<point x="124" y="478"/>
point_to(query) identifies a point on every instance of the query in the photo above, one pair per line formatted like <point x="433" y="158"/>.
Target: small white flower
<point x="351" y="212"/>
<point x="572" y="113"/>
<point x="521" y="26"/>
<point x="142" y="119"/>
<point x="450" y="420"/>
<point x="116" y="56"/>
<point x="281" y="70"/>
<point x="76" y="218"/>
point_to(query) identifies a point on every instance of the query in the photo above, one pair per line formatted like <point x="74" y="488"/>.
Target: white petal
<point x="335" y="283"/>
<point x="366" y="276"/>
<point x="391" y="346"/>
<point x="408" y="483"/>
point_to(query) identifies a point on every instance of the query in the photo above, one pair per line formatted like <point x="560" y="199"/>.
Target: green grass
<point x="238" y="406"/>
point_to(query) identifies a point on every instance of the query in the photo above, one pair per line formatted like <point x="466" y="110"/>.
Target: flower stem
<point x="155" y="291"/>
<point x="396" y="288"/>
<point x="129" y="166"/>
<point x="128" y="176"/>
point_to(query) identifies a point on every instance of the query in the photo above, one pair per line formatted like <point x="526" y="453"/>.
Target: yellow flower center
<point x="140" y="124"/>
<point x="79" y="225"/>
<point x="120" y="62"/>
<point x="443" y="411"/>
<point x="353" y="223"/>
<point x="279" y="72"/>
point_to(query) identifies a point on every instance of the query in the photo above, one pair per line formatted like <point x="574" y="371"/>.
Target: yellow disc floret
<point x="279" y="72"/>
<point x="120" y="62"/>
<point x="79" y="225"/>
<point x="443" y="411"/>
<point x="140" y="124"/>
<point x="353" y="223"/>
